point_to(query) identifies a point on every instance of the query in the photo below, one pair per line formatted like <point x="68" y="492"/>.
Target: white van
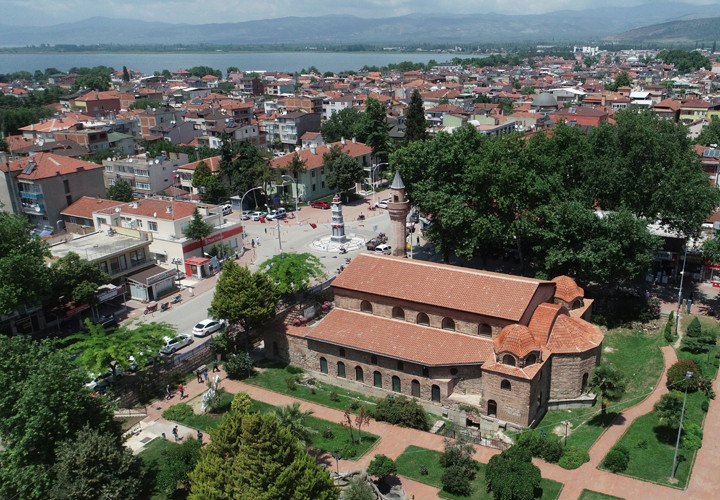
<point x="277" y="214"/>
<point x="385" y="249"/>
<point x="226" y="209"/>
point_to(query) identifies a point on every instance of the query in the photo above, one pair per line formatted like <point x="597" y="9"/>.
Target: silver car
<point x="174" y="344"/>
<point x="258" y="215"/>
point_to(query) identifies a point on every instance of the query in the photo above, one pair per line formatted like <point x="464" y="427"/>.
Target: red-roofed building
<point x="509" y="345"/>
<point x="43" y="185"/>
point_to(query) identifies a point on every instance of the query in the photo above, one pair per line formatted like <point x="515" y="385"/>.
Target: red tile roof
<point x="566" y="289"/>
<point x="85" y="206"/>
<point x="212" y="162"/>
<point x="401" y="339"/>
<point x="543" y="320"/>
<point x="573" y="335"/>
<point x="315" y="160"/>
<point x="49" y="165"/>
<point x="527" y="372"/>
<point x="156" y="208"/>
<point x="463" y="289"/>
<point x="516" y="339"/>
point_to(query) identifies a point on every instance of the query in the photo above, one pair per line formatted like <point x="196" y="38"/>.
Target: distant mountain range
<point x="581" y="25"/>
<point x="706" y="29"/>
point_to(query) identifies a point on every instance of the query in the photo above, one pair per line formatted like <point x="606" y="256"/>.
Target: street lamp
<point x="682" y="276"/>
<point x="296" y="195"/>
<point x="688" y="376"/>
<point x="337" y="458"/>
<point x="566" y="430"/>
<point x="241" y="207"/>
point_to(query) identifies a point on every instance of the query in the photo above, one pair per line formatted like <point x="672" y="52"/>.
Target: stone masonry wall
<point x="568" y="370"/>
<point x="513" y="405"/>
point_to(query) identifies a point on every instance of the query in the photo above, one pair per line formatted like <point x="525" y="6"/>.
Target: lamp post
<point x="337" y="458"/>
<point x="566" y="430"/>
<point x="296" y="195"/>
<point x="688" y="376"/>
<point x="682" y="276"/>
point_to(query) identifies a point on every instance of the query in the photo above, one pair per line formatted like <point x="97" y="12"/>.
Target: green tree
<point x="710" y="134"/>
<point x="101" y="349"/>
<point x="381" y="467"/>
<point x="291" y="417"/>
<point x="211" y="187"/>
<point x="507" y="105"/>
<point x="243" y="297"/>
<point x="460" y="468"/>
<point x="252" y="456"/>
<point x="144" y="103"/>
<point x="43" y="403"/>
<point x="198" y="229"/>
<point x="668" y="409"/>
<point x="343" y="170"/>
<point x="528" y="90"/>
<point x="296" y="168"/>
<point x="96" y="465"/>
<point x="402" y="411"/>
<point x="511" y="475"/>
<point x="200" y="71"/>
<point x="293" y="272"/>
<point x="76" y="279"/>
<point x="177" y="464"/>
<point x="622" y="79"/>
<point x="373" y="130"/>
<point x="608" y="381"/>
<point x="416" y="124"/>
<point x="125" y="75"/>
<point x="91" y="82"/>
<point x="4" y="146"/>
<point x="24" y="278"/>
<point x="341" y="124"/>
<point x="241" y="403"/>
<point x="121" y="191"/>
<point x="232" y="69"/>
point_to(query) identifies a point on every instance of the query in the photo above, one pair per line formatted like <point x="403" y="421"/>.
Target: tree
<point x="372" y="128"/>
<point x="144" y="103"/>
<point x="460" y="468"/>
<point x="511" y="475"/>
<point x="358" y="489"/>
<point x="198" y="229"/>
<point x="211" y="187"/>
<point x="403" y="412"/>
<point x="617" y="459"/>
<point x="340" y="124"/>
<point x="243" y="297"/>
<point x="295" y="168"/>
<point x="711" y="133"/>
<point x="608" y="381"/>
<point x="177" y="464"/>
<point x="121" y="191"/>
<point x="381" y="467"/>
<point x="96" y="465"/>
<point x="347" y="423"/>
<point x="415" y="122"/>
<point x="291" y="417"/>
<point x="241" y="403"/>
<point x="343" y="170"/>
<point x="97" y="82"/>
<point x="362" y="417"/>
<point x="293" y="272"/>
<point x="43" y="403"/>
<point x="24" y="277"/>
<point x="676" y="378"/>
<point x="125" y="75"/>
<point x="103" y="349"/>
<point x="76" y="279"/>
<point x="232" y="69"/>
<point x="252" y="456"/>
<point x="4" y="146"/>
<point x="668" y="409"/>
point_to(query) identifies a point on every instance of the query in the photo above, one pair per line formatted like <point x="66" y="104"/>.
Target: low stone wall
<point x="584" y="401"/>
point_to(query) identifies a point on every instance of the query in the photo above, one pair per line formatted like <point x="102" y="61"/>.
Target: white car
<point x="226" y="209"/>
<point x="384" y="249"/>
<point x="277" y="214"/>
<point x="246" y="214"/>
<point x="207" y="326"/>
<point x="101" y="382"/>
<point x="382" y="203"/>
<point x="258" y="215"/>
<point x="172" y="345"/>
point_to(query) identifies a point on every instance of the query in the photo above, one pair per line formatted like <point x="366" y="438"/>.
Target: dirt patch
<point x="609" y="349"/>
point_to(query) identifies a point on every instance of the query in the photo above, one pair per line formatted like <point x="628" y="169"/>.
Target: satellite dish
<point x="154" y="214"/>
<point x="109" y="159"/>
<point x="157" y="161"/>
<point x="117" y="209"/>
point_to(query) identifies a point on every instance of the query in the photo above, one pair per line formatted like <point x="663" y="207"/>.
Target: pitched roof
<point x="213" y="162"/>
<point x="573" y="335"/>
<point x="155" y="208"/>
<point x="482" y="292"/>
<point x="315" y="160"/>
<point x="46" y="165"/>
<point x="401" y="339"/>
<point x="85" y="206"/>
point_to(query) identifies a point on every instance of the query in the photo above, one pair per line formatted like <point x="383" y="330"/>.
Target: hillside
<point x="707" y="29"/>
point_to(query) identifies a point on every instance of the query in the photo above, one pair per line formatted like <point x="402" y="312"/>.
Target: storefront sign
<point x="111" y="294"/>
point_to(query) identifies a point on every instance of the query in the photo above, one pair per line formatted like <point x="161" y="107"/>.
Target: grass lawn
<point x="594" y="495"/>
<point x="275" y="380"/>
<point x="410" y="461"/>
<point x="654" y="461"/>
<point x="638" y="356"/>
<point x="152" y="457"/>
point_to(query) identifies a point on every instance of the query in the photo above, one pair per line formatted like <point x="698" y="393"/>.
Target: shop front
<point x="149" y="284"/>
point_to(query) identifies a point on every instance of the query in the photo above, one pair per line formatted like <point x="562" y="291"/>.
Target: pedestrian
<point x="215" y="366"/>
<point x="265" y="230"/>
<point x="167" y="390"/>
<point x="252" y="242"/>
<point x="418" y="239"/>
<point x="199" y="435"/>
<point x="689" y="302"/>
<point x="182" y="390"/>
<point x="175" y="433"/>
<point x="205" y="375"/>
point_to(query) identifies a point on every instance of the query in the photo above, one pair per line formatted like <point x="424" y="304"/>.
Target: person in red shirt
<point x="181" y="389"/>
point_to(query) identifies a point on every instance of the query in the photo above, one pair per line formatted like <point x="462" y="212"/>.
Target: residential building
<point x="286" y="130"/>
<point x="147" y="176"/>
<point x="152" y="117"/>
<point x="90" y="139"/>
<point x="78" y="217"/>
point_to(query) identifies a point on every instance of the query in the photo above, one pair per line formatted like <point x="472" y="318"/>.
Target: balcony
<point x="31" y="195"/>
<point x="33" y="208"/>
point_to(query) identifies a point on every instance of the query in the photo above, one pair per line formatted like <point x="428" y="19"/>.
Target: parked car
<point x="385" y="249"/>
<point x="246" y="214"/>
<point x="207" y="326"/>
<point x="99" y="383"/>
<point x="383" y="203"/>
<point x="174" y="344"/>
<point x="226" y="209"/>
<point x="258" y="215"/>
<point x="147" y="358"/>
<point x="320" y="204"/>
<point x="280" y="213"/>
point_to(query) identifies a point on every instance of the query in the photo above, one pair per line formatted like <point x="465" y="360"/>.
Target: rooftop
<point x="97" y="245"/>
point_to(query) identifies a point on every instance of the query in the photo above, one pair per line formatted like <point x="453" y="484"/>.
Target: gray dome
<point x="545" y="100"/>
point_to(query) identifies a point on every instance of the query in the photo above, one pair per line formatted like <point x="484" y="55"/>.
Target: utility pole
<point x="688" y="376"/>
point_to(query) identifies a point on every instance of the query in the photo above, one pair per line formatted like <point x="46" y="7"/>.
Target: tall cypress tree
<point x="415" y="121"/>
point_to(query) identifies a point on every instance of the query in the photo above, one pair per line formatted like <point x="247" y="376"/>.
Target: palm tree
<point x="292" y="417"/>
<point x="607" y="380"/>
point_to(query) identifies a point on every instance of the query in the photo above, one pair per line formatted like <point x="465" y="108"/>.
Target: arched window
<point x="485" y="329"/>
<point x="415" y="388"/>
<point x="422" y="319"/>
<point x="435" y="393"/>
<point x="531" y="359"/>
<point x="342" y="352"/>
<point x="341" y="369"/>
<point x="396" y="383"/>
<point x="505" y="385"/>
<point x="377" y="379"/>
<point x="492" y="408"/>
<point x="359" y="374"/>
<point x="508" y="359"/>
<point x="323" y="365"/>
<point x="366" y="307"/>
<point x="448" y="324"/>
<point x="584" y="382"/>
<point x="398" y="313"/>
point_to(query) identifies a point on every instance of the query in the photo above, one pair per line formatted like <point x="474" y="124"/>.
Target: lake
<point x="147" y="63"/>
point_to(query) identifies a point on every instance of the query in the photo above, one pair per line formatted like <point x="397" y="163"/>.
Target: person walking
<point x="215" y="366"/>
<point x="252" y="242"/>
<point x="199" y="436"/>
<point x="205" y="374"/>
<point x="182" y="390"/>
<point x="175" y="433"/>
<point x="167" y="391"/>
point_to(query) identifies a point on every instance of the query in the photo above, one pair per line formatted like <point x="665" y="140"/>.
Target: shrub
<point x="676" y="375"/>
<point x="694" y="329"/>
<point x="354" y="404"/>
<point x="291" y="383"/>
<point x="459" y="454"/>
<point x="669" y="331"/>
<point x="358" y="489"/>
<point x="216" y="402"/>
<point x="671" y="316"/>
<point x="552" y="449"/>
<point x="653" y="307"/>
<point x="705" y="406"/>
<point x="334" y="396"/>
<point x="381" y="467"/>
<point x="239" y="366"/>
<point x="348" y="451"/>
<point x="617" y="459"/>
<point x="221" y="344"/>
<point x="547" y="447"/>
<point x="642" y="444"/>
<point x="423" y="470"/>
<point x="403" y="412"/>
<point x="294" y="370"/>
<point x="178" y="412"/>
<point x="328" y="433"/>
<point x="573" y="458"/>
<point x="691" y="442"/>
<point x="175" y="466"/>
<point x="455" y="481"/>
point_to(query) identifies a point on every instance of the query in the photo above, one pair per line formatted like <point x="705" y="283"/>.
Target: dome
<point x="545" y="100"/>
<point x="567" y="290"/>
<point x="515" y="339"/>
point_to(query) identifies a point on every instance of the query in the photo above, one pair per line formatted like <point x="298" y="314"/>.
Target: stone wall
<point x="568" y="371"/>
<point x="513" y="405"/>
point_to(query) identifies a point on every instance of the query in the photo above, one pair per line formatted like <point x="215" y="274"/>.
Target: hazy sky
<point x="44" y="12"/>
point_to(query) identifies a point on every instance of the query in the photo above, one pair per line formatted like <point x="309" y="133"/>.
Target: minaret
<point x="399" y="208"/>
